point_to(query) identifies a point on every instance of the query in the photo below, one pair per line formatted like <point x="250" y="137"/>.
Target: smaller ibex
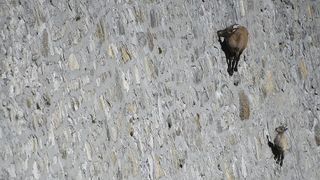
<point x="279" y="145"/>
<point x="235" y="41"/>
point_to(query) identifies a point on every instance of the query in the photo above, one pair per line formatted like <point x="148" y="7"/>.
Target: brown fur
<point x="234" y="43"/>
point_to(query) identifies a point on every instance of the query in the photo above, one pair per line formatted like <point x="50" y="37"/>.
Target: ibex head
<point x="228" y="31"/>
<point x="281" y="129"/>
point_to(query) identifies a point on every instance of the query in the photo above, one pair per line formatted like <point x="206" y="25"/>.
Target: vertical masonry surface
<point x="128" y="89"/>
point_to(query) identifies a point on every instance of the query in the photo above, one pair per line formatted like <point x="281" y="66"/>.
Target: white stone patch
<point x="242" y="10"/>
<point x="243" y="167"/>
<point x="58" y="50"/>
<point x="12" y="171"/>
<point x="42" y="27"/>
<point x="94" y="64"/>
<point x="136" y="74"/>
<point x="151" y="141"/>
<point x="73" y="85"/>
<point x="25" y="164"/>
<point x="151" y="168"/>
<point x="98" y="81"/>
<point x="35" y="171"/>
<point x="88" y="150"/>
<point x="79" y="175"/>
<point x="113" y="133"/>
<point x="75" y="104"/>
<point x="102" y="104"/>
<point x="85" y="80"/>
<point x="218" y="94"/>
<point x="79" y="136"/>
<point x="56" y="119"/>
<point x="149" y="68"/>
<point x="131" y="16"/>
<point x="112" y="51"/>
<point x="92" y="45"/>
<point x="125" y="81"/>
<point x="27" y="148"/>
<point x="73" y="63"/>
<point x="55" y="79"/>
<point x="257" y="146"/>
<point x="11" y="91"/>
<point x="34" y="145"/>
<point x="51" y="136"/>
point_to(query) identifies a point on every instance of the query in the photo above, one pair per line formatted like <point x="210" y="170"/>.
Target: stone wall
<point x="124" y="89"/>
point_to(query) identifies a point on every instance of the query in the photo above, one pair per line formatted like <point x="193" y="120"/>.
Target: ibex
<point x="279" y="145"/>
<point x="235" y="41"/>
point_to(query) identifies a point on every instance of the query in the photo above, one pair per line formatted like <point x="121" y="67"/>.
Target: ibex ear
<point x="285" y="126"/>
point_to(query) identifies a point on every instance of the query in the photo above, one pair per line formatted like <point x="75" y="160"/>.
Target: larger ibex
<point x="235" y="41"/>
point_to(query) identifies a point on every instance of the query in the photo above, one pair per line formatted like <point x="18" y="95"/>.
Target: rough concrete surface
<point x="124" y="89"/>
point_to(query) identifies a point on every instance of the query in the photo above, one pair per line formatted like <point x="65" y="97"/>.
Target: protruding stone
<point x="154" y="18"/>
<point x="158" y="169"/>
<point x="141" y="38"/>
<point x="139" y="16"/>
<point x="45" y="45"/>
<point x="150" y="41"/>
<point x="269" y="84"/>
<point x="51" y="137"/>
<point x="73" y="63"/>
<point x="317" y="134"/>
<point x="151" y="69"/>
<point x="197" y="121"/>
<point x="125" y="54"/>
<point x="303" y="71"/>
<point x="29" y="102"/>
<point x="125" y="81"/>
<point x="56" y="119"/>
<point x="134" y="165"/>
<point x="131" y="131"/>
<point x="111" y="52"/>
<point x="310" y="11"/>
<point x="244" y="106"/>
<point x="243" y="167"/>
<point x="232" y="139"/>
<point x="46" y="99"/>
<point x="12" y="171"/>
<point x="197" y="75"/>
<point x="132" y="108"/>
<point x="88" y="151"/>
<point x="228" y="173"/>
<point x="100" y="31"/>
<point x="113" y="133"/>
<point x="75" y="104"/>
<point x="113" y="158"/>
<point x="121" y="28"/>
